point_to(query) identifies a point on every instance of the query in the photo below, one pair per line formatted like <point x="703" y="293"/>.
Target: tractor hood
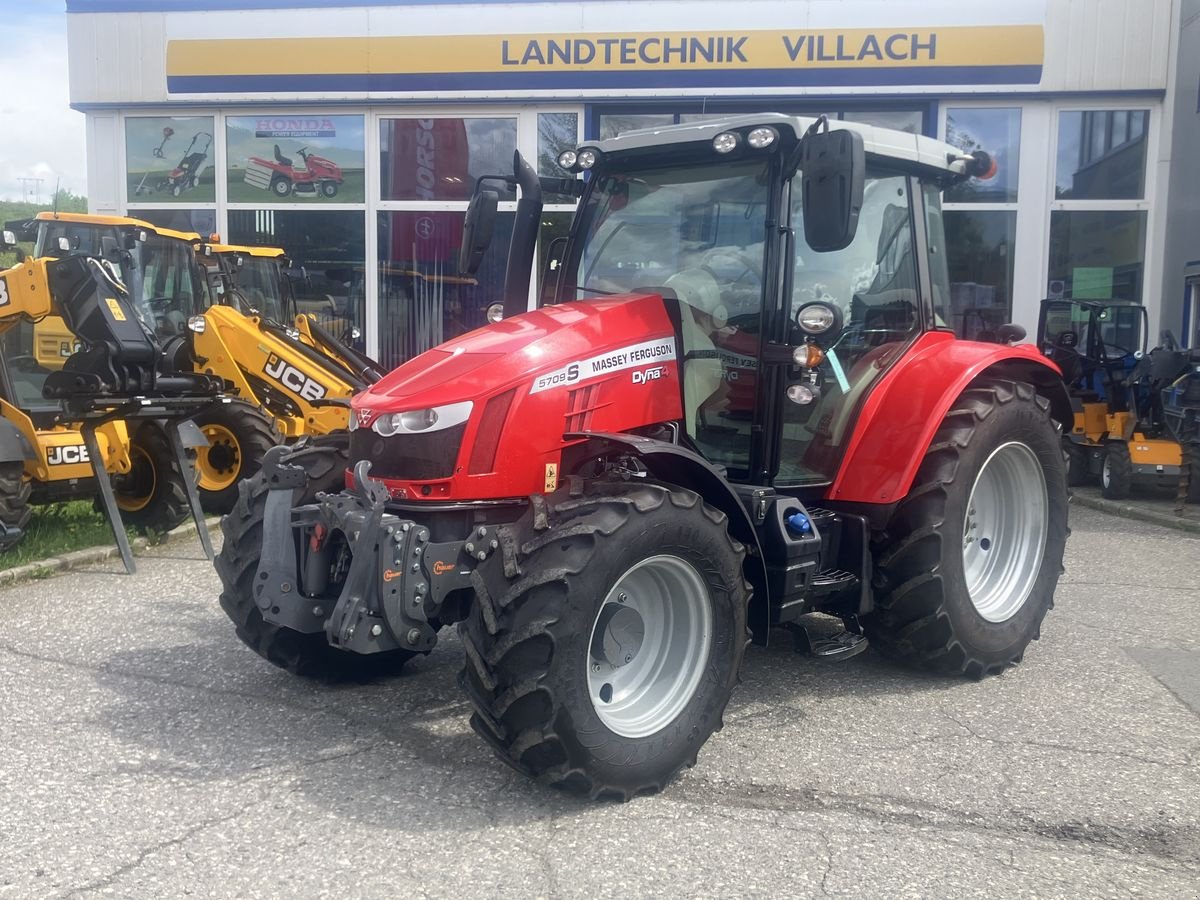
<point x="556" y="346"/>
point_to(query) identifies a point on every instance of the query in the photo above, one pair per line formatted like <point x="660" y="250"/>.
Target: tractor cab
<point x="158" y="265"/>
<point x="1094" y="342"/>
<point x="253" y="279"/>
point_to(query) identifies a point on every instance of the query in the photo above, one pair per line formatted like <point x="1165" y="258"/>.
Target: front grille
<point x="411" y="457"/>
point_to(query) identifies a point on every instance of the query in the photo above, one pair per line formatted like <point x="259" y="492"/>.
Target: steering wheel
<point x="1121" y="354"/>
<point x="749" y="265"/>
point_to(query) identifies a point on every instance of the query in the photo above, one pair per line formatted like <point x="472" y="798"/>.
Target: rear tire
<point x="566" y="688"/>
<point x="153" y="496"/>
<point x="14" y="497"/>
<point x="1116" y="478"/>
<point x="239" y="437"/>
<point x="281" y="186"/>
<point x="308" y="655"/>
<point x="969" y="607"/>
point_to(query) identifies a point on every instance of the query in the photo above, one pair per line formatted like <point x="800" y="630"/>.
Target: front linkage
<point x="396" y="577"/>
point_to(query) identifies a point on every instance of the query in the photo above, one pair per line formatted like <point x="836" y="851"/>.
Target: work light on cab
<point x="761" y="138"/>
<point x="567" y="159"/>
<point x="726" y="142"/>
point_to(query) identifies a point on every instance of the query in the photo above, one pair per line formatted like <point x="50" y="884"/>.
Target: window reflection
<point x="423" y="300"/>
<point x="1101" y="154"/>
<point x="327" y="250"/>
<point x="980" y="253"/>
<point x="997" y="132"/>
<point x="440" y="159"/>
<point x="1097" y="255"/>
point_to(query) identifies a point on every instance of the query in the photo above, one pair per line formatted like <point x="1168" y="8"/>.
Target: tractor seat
<point x="280" y="158"/>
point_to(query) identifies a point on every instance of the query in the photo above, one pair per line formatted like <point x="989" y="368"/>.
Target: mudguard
<point x="898" y="419"/>
<point x="677" y="465"/>
<point x="14" y="446"/>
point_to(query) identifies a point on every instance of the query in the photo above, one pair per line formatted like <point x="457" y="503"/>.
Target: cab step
<point x="840" y="645"/>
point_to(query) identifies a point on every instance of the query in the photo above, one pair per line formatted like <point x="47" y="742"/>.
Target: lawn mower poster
<point x="295" y="157"/>
<point x="170" y="158"/>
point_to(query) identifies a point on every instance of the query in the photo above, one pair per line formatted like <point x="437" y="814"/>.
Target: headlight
<point x="419" y="421"/>
<point x="817" y="317"/>
<point x="495" y="313"/>
<point x="725" y="142"/>
<point x="567" y="159"/>
<point x="587" y="158"/>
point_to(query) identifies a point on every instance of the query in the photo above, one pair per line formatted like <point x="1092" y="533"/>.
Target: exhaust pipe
<point x="523" y="246"/>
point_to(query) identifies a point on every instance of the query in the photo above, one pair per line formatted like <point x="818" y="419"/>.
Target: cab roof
<point x="267" y="252"/>
<point x="902" y="146"/>
<point x="117" y="222"/>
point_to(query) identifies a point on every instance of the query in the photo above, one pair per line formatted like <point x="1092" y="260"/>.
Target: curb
<point x="77" y="559"/>
<point x="1125" y="511"/>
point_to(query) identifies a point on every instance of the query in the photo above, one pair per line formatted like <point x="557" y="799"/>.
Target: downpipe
<point x="397" y="577"/>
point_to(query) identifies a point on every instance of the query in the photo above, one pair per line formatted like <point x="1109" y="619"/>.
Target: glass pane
<point x="1097" y="255"/>
<point x="288" y="158"/>
<point x="168" y="159"/>
<point x="909" y="120"/>
<point x="201" y="221"/>
<point x="874" y="281"/>
<point x="440" y="159"/>
<point x="611" y="125"/>
<point x="1090" y="166"/>
<point x="939" y="272"/>
<point x="556" y="132"/>
<point x="554" y="225"/>
<point x="327" y="250"/>
<point x="980" y="253"/>
<point x="423" y="301"/>
<point x="997" y="132"/>
<point x="697" y="230"/>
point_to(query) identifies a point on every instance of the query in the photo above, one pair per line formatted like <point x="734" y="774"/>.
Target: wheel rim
<point x="218" y="464"/>
<point x="1004" y="531"/>
<point x="136" y="489"/>
<point x="649" y="646"/>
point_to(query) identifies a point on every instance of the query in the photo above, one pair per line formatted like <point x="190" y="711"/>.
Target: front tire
<point x="1116" y="478"/>
<point x="239" y="436"/>
<point x="14" y="498"/>
<point x="967" y="567"/>
<point x="308" y="655"/>
<point x="1077" y="463"/>
<point x="607" y="658"/>
<point x="329" y="188"/>
<point x="152" y="497"/>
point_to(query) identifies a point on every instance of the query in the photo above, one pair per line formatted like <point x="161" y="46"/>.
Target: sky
<point x="40" y="135"/>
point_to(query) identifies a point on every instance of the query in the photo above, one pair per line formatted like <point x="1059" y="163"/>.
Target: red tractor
<point x="318" y="175"/>
<point x="608" y="515"/>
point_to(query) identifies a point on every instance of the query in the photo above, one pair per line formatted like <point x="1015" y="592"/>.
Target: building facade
<point x="353" y="135"/>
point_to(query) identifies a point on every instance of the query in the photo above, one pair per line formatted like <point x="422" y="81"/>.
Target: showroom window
<point x="980" y="221"/>
<point x="1098" y="219"/>
<point x="326" y="250"/>
<point x="428" y="171"/>
<point x="170" y="171"/>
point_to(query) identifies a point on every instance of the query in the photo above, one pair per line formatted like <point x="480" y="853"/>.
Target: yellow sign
<point x="551" y="478"/>
<point x="1010" y="54"/>
<point x="115" y="308"/>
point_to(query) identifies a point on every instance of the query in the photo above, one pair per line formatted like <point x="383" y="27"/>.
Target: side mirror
<point x="832" y="176"/>
<point x="478" y="228"/>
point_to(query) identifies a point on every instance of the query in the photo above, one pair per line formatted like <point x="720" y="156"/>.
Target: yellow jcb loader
<point x="92" y="404"/>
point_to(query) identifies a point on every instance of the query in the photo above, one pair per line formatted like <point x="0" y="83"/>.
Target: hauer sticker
<point x="636" y="356"/>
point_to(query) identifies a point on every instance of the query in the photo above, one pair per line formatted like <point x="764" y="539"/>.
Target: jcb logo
<point x="67" y="349"/>
<point x="293" y="379"/>
<point x="67" y="456"/>
<point x="645" y="377"/>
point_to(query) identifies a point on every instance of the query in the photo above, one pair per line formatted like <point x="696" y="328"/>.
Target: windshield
<point x="695" y="233"/>
<point x="261" y="283"/>
<point x="164" y="280"/>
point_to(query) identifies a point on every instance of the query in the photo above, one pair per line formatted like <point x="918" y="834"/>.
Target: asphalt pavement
<point x="145" y="752"/>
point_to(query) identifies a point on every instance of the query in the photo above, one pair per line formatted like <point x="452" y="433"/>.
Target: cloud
<point x="40" y="135"/>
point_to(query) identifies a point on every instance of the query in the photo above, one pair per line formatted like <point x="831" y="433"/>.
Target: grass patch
<point x="60" y="528"/>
